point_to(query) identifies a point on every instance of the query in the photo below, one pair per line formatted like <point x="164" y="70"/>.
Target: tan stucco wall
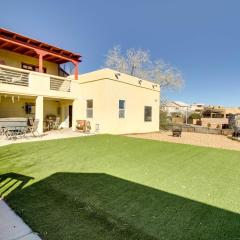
<point x="214" y="122"/>
<point x="8" y="108"/>
<point x="51" y="108"/>
<point x="106" y="91"/>
<point x="15" y="60"/>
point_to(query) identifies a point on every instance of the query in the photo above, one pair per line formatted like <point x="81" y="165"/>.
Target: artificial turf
<point x="114" y="187"/>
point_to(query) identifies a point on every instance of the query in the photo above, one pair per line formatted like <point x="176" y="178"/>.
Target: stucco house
<point x="33" y="84"/>
<point x="176" y="107"/>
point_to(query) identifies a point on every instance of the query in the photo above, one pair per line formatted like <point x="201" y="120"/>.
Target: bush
<point x="164" y="120"/>
<point x="195" y="116"/>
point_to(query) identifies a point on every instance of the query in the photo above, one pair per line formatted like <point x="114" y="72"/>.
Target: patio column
<point x="75" y="112"/>
<point x="39" y="113"/>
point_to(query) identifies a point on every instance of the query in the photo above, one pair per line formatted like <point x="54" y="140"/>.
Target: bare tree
<point x="138" y="63"/>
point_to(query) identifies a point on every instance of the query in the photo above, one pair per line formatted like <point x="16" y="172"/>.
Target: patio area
<point x="54" y="134"/>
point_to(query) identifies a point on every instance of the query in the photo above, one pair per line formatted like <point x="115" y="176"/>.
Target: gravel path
<point x="207" y="140"/>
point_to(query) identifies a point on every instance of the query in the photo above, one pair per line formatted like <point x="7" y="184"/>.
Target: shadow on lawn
<point x="102" y="207"/>
<point x="11" y="182"/>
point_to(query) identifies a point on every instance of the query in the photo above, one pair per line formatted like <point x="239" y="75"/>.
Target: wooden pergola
<point x="17" y="43"/>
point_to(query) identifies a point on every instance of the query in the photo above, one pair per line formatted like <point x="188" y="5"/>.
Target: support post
<point x="75" y="70"/>
<point x="41" y="54"/>
<point x="76" y="114"/>
<point x="39" y="113"/>
<point x="40" y="63"/>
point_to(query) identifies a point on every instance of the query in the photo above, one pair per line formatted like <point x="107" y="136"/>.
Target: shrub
<point x="195" y="116"/>
<point x="164" y="120"/>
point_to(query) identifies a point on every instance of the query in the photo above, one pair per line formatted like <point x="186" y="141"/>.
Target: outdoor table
<point x="14" y="131"/>
<point x="13" y="127"/>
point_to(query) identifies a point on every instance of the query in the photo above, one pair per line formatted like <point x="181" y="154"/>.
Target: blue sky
<point x="201" y="38"/>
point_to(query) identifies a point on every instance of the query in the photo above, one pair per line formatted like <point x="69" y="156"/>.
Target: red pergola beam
<point x="41" y="53"/>
<point x="37" y="49"/>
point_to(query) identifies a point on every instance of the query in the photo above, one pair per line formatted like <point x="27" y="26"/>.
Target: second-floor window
<point x="121" y="106"/>
<point x="89" y="111"/>
<point x="31" y="67"/>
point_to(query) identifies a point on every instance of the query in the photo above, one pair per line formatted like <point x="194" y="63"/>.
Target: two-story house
<point x="33" y="84"/>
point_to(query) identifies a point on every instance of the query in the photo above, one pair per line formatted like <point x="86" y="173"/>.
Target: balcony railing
<point x="37" y="83"/>
<point x="9" y="76"/>
<point x="60" y="84"/>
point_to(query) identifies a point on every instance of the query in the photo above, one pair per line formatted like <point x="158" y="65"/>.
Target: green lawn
<point x="114" y="187"/>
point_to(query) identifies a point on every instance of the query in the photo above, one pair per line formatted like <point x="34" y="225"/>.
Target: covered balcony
<point x="33" y="83"/>
<point x="30" y="54"/>
<point x="19" y="81"/>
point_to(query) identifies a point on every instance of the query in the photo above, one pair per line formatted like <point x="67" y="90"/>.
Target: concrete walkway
<point x="12" y="226"/>
<point x="54" y="134"/>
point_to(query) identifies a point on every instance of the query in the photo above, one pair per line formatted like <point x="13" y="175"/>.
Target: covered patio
<point x="52" y="113"/>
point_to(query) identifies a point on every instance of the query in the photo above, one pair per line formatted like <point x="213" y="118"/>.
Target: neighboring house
<point x="217" y="116"/>
<point x="197" y="107"/>
<point x="33" y="84"/>
<point x="176" y="107"/>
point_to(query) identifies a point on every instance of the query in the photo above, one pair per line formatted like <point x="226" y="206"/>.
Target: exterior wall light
<point x="117" y="75"/>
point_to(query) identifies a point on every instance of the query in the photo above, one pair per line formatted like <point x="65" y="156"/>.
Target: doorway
<point x="70" y="115"/>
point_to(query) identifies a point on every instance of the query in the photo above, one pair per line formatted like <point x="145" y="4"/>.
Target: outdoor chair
<point x="177" y="131"/>
<point x="33" y="129"/>
<point x="236" y="131"/>
<point x="30" y="121"/>
<point x="50" y="119"/>
<point x="56" y="123"/>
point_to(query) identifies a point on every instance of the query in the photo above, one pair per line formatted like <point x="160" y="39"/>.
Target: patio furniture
<point x="13" y="127"/>
<point x="34" y="128"/>
<point x="56" y="123"/>
<point x="236" y="132"/>
<point x="30" y="121"/>
<point x="177" y="131"/>
<point x="50" y="119"/>
<point x="83" y="126"/>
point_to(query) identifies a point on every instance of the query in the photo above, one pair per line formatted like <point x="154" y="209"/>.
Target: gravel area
<point x="199" y="139"/>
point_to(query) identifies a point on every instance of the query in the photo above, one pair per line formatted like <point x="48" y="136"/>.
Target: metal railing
<point x="13" y="77"/>
<point x="60" y="84"/>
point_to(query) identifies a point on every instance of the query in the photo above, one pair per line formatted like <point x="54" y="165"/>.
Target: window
<point x="31" y="67"/>
<point x="29" y="108"/>
<point x="121" y="107"/>
<point x="147" y="114"/>
<point x="89" y="108"/>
